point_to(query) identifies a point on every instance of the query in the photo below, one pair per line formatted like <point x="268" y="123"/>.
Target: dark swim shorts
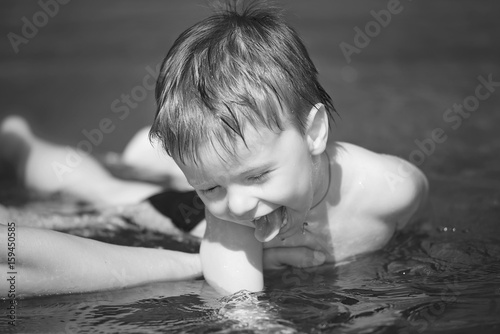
<point x="185" y="209"/>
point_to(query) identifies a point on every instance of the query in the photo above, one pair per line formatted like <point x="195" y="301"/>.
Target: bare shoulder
<point x="381" y="185"/>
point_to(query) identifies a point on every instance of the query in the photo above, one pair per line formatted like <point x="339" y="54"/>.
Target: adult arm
<point x="50" y="262"/>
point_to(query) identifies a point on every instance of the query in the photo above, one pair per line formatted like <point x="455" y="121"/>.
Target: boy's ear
<point x="317" y="129"/>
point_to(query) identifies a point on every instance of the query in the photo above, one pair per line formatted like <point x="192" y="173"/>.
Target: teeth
<point x="260" y="217"/>
<point x="284" y="215"/>
<point x="285" y="219"/>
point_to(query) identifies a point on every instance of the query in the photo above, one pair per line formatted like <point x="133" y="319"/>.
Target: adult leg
<point x="48" y="168"/>
<point x="141" y="154"/>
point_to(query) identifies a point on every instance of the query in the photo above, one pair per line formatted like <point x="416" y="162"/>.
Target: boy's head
<point x="229" y="71"/>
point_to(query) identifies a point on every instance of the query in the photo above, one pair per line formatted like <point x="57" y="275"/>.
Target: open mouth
<point x="267" y="227"/>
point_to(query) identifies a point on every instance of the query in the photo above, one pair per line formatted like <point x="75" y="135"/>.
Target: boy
<point x="243" y="115"/>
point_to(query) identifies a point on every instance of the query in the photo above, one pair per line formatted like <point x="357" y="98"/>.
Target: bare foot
<point x="15" y="139"/>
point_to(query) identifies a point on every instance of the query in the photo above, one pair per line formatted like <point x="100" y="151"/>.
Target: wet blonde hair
<point x="233" y="69"/>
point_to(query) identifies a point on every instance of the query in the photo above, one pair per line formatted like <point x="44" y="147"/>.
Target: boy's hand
<point x="301" y="257"/>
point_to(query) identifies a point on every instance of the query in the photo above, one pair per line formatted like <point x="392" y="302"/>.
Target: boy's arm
<point x="231" y="257"/>
<point x="49" y="262"/>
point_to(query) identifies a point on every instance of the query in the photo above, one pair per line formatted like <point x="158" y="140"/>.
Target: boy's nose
<point x="240" y="204"/>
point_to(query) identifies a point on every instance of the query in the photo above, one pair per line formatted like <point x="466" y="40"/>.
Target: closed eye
<point x="259" y="177"/>
<point x="209" y="190"/>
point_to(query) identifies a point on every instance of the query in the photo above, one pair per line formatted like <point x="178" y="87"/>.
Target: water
<point x="417" y="284"/>
<point x="441" y="277"/>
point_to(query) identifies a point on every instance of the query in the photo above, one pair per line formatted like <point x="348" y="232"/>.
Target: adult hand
<point x="301" y="257"/>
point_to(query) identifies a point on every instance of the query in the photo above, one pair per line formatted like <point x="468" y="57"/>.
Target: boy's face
<point x="267" y="185"/>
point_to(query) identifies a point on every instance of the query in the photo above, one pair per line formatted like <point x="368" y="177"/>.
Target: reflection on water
<point x="419" y="283"/>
